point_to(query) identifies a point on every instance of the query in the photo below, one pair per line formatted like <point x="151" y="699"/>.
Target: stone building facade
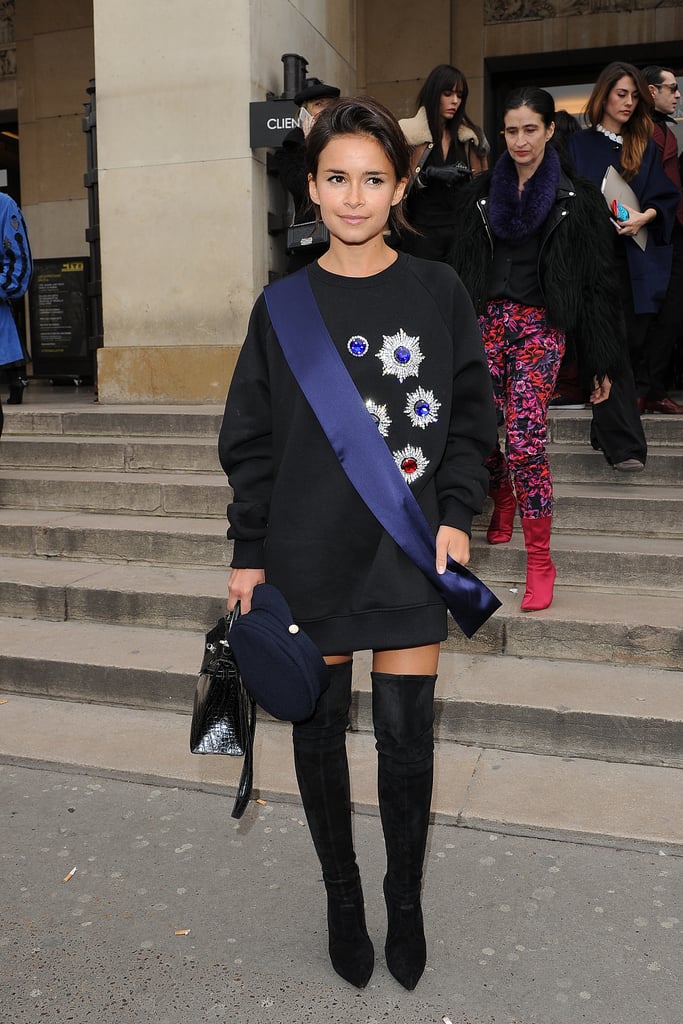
<point x="183" y="200"/>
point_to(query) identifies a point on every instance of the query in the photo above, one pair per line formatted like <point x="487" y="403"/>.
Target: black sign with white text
<point x="59" y="317"/>
<point x="271" y="121"/>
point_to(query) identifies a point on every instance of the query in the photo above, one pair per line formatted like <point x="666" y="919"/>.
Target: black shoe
<point x="16" y="391"/>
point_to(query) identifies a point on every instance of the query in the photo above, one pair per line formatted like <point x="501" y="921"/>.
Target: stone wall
<point x="402" y="41"/>
<point x="183" y="200"/>
<point x="55" y="61"/>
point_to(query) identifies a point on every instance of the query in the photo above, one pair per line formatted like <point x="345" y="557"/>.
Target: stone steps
<point x="650" y="564"/>
<point x="112" y="454"/>
<point x="571" y="462"/>
<point x="172" y="494"/>
<point x="73" y="418"/>
<point x="601" y="627"/>
<point x="76" y="419"/>
<point x="199" y="455"/>
<point x="578" y="709"/>
<point x="195" y="453"/>
<point x="147" y="539"/>
<point x="573" y="427"/>
<point x="628" y="806"/>
<point x="579" y="508"/>
<point x="113" y="562"/>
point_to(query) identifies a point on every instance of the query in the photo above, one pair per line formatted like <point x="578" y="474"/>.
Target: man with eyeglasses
<point x="667" y="327"/>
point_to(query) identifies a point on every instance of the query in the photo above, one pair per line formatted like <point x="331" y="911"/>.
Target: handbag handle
<point x="245" y="784"/>
<point x="247" y="777"/>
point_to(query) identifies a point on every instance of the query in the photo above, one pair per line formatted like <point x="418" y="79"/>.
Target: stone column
<point x="176" y="184"/>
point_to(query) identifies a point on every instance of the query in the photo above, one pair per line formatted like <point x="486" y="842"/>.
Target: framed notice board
<point x="58" y="310"/>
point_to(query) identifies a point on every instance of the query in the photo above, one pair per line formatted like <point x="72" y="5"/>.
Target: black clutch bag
<point x="223" y="714"/>
<point x="312" y="234"/>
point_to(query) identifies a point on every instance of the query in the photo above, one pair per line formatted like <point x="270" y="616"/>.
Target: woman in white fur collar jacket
<point x="447" y="150"/>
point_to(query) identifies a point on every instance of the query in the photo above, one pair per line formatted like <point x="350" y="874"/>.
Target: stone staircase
<point x="113" y="562"/>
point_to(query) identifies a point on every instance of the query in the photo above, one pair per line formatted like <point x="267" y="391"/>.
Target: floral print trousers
<point x="524" y="355"/>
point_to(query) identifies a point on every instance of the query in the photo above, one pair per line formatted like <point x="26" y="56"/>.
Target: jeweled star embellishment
<point x="422" y="408"/>
<point x="412" y="462"/>
<point x="380" y="416"/>
<point x="400" y="355"/>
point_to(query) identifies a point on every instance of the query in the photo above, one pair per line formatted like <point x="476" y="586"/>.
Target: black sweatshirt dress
<point x="409" y="338"/>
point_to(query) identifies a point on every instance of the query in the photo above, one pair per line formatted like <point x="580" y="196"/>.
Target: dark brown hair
<point x="638" y="129"/>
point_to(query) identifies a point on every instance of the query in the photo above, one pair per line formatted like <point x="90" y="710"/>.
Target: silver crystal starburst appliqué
<point x="400" y="355"/>
<point x="380" y="416"/>
<point x="412" y="462"/>
<point x="422" y="408"/>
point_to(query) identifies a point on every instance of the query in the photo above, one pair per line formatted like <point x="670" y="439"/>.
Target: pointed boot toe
<point x="351" y="950"/>
<point x="406" y="946"/>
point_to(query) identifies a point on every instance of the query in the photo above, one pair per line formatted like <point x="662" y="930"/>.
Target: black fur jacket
<point x="578" y="272"/>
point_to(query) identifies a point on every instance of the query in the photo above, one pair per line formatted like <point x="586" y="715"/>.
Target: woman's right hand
<point x="241" y="583"/>
<point x="601" y="390"/>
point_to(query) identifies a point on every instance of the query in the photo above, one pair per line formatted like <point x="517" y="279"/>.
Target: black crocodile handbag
<point x="223" y="714"/>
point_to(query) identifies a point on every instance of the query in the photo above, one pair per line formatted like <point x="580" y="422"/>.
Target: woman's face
<point x="525" y="137"/>
<point x="621" y="102"/>
<point x="450" y="103"/>
<point x="355" y="187"/>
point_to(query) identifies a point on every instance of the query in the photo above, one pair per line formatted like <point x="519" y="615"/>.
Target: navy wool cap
<point x="280" y="666"/>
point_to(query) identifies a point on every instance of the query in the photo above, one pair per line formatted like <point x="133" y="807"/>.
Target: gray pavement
<point x="520" y="930"/>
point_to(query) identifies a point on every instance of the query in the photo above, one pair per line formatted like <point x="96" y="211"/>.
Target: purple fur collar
<point x="515" y="218"/>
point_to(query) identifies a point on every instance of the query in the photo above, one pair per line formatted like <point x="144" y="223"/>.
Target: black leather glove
<point x="449" y="174"/>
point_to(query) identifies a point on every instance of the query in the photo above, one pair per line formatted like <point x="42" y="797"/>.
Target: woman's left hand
<point x="601" y="390"/>
<point x="455" y="543"/>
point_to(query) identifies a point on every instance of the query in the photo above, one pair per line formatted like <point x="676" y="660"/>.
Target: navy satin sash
<point x="360" y="448"/>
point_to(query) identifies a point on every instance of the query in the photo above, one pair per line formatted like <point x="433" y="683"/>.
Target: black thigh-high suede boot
<point x="322" y="771"/>
<point x="403" y="715"/>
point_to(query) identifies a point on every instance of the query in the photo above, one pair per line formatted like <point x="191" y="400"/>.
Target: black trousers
<point x="616" y="428"/>
<point x="653" y="375"/>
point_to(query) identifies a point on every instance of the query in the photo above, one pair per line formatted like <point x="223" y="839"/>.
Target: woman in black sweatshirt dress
<point x="408" y="336"/>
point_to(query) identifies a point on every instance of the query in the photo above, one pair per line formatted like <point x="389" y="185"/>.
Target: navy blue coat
<point x="592" y="153"/>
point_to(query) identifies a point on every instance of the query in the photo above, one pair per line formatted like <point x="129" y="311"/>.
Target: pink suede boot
<point x="540" y="571"/>
<point x="503" y="518"/>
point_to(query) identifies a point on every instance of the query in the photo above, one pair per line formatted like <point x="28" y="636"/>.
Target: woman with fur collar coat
<point x="447" y="149"/>
<point x="534" y="250"/>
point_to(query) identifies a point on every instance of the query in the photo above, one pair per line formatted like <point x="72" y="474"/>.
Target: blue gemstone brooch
<point x="357" y="345"/>
<point x="400" y="355"/>
<point x="422" y="408"/>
